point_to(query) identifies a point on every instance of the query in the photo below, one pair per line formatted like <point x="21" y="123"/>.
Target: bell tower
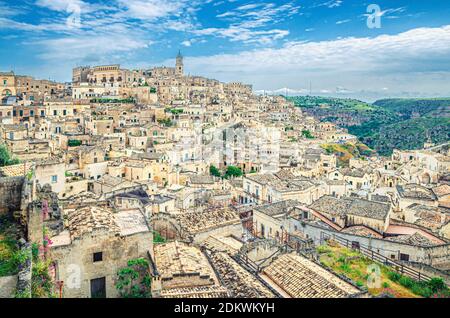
<point x="179" y="67"/>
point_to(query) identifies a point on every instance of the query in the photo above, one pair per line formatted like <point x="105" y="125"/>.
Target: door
<point x="98" y="288"/>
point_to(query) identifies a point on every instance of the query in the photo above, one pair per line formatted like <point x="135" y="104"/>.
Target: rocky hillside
<point x="386" y="124"/>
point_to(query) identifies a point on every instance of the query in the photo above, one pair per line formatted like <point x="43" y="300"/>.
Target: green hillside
<point x="386" y="124"/>
<point x="408" y="108"/>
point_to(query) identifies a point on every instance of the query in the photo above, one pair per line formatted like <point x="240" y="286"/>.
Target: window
<point x="355" y="245"/>
<point x="404" y="257"/>
<point x="55" y="113"/>
<point x="97" y="257"/>
<point x="54" y="179"/>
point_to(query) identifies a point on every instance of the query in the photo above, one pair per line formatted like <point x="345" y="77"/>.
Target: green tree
<point x="307" y="134"/>
<point x="6" y="159"/>
<point x="233" y="171"/>
<point x="214" y="171"/>
<point x="134" y="280"/>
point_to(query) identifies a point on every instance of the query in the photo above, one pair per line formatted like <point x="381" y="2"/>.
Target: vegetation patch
<point x="10" y="254"/>
<point x="6" y="158"/>
<point x="134" y="281"/>
<point x="157" y="238"/>
<point x="347" y="151"/>
<point x="74" y="143"/>
<point x="231" y="172"/>
<point x="359" y="269"/>
<point x="387" y="124"/>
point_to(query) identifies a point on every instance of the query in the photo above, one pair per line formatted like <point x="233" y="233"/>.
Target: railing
<point x="377" y="257"/>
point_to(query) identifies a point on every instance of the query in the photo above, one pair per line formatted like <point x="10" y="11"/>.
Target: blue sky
<point x="323" y="44"/>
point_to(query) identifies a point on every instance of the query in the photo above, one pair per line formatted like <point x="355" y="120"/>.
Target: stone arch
<point x="6" y="92"/>
<point x="167" y="226"/>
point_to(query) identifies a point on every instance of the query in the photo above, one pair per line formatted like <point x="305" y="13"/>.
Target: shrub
<point x="437" y="284"/>
<point x="35" y="251"/>
<point x="6" y="158"/>
<point x="342" y="259"/>
<point x="386" y="285"/>
<point x="157" y="238"/>
<point x="421" y="290"/>
<point x="74" y="143"/>
<point x="345" y="267"/>
<point x="406" y="282"/>
<point x="307" y="134"/>
<point x="395" y="277"/>
<point x="214" y="171"/>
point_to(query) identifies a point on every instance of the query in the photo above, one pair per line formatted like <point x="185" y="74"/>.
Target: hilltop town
<point x="203" y="189"/>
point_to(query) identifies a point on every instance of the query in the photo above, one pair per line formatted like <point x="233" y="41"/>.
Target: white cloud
<point x="343" y="21"/>
<point x="88" y="47"/>
<point x="394" y="60"/>
<point x="186" y="43"/>
<point x="253" y="22"/>
<point x="152" y="9"/>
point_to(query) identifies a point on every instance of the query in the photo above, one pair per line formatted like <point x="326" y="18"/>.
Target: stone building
<point x="96" y="242"/>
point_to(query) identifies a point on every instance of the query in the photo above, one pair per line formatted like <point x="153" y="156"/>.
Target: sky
<point x="347" y="48"/>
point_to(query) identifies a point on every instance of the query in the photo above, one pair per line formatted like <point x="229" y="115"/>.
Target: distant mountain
<point x="410" y="108"/>
<point x="281" y="91"/>
<point x="386" y="124"/>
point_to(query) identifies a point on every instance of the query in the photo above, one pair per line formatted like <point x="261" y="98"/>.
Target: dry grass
<point x="355" y="266"/>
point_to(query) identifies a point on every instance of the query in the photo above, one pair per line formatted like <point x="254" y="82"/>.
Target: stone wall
<point x="8" y="286"/>
<point x="10" y="194"/>
<point x="232" y="229"/>
<point x="76" y="268"/>
<point x="23" y="288"/>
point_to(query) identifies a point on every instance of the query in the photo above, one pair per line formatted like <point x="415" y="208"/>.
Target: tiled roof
<point x="197" y="222"/>
<point x="302" y="278"/>
<point x="15" y="170"/>
<point x="177" y="260"/>
<point x="415" y="239"/>
<point x="442" y="190"/>
<point x="362" y="231"/>
<point x="351" y="206"/>
<point x="226" y="244"/>
<point x="239" y="282"/>
<point x="214" y="291"/>
<point x="89" y="219"/>
<point x="277" y="208"/>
